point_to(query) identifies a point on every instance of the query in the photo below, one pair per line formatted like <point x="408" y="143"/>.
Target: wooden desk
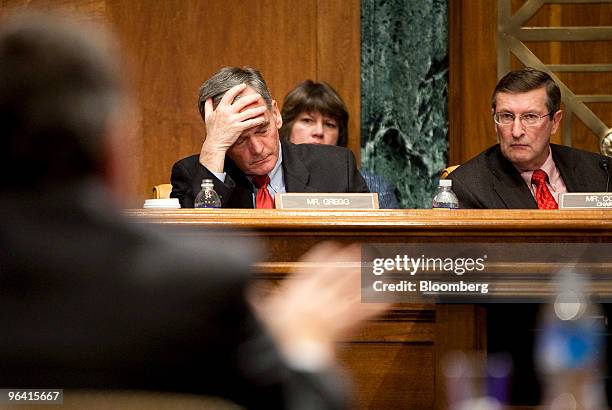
<point x="396" y="359"/>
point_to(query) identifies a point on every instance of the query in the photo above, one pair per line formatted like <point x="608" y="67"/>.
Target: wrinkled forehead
<point x="250" y="91"/>
<point x="530" y="100"/>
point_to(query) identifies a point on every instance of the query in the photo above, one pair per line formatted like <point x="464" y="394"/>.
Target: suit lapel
<point x="509" y="185"/>
<point x="568" y="168"/>
<point x="296" y="174"/>
<point x="242" y="196"/>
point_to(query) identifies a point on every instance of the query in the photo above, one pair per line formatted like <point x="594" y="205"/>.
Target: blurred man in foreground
<point x="90" y="301"/>
<point x="244" y="156"/>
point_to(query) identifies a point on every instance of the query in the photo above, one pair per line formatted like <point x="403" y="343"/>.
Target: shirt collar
<point x="277" y="179"/>
<point x="276" y="175"/>
<point x="548" y="166"/>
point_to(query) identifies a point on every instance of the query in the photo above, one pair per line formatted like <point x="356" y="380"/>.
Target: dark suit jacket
<point x="306" y="168"/>
<point x="88" y="300"/>
<point x="490" y="181"/>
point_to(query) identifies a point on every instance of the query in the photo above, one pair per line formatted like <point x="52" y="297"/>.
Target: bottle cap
<point x="445" y="182"/>
<point x="207" y="182"/>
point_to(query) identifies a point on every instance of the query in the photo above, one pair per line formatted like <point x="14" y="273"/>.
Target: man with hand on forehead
<point x="244" y="155"/>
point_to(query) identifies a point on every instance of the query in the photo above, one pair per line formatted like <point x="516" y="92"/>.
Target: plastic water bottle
<point x="207" y="198"/>
<point x="445" y="197"/>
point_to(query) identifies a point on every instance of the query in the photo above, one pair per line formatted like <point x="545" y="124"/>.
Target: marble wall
<point x="404" y="89"/>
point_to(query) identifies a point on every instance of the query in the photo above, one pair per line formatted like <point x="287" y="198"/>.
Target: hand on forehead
<point x="248" y="98"/>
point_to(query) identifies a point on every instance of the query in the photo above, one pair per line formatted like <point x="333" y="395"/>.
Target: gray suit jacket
<point x="306" y="168"/>
<point x="490" y="181"/>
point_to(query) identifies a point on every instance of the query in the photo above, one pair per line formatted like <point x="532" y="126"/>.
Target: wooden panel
<point x="589" y="52"/>
<point x="391" y="375"/>
<point x="90" y="9"/>
<point x="394" y="224"/>
<point x="472" y="77"/>
<point x="338" y="58"/>
<point x="172" y="46"/>
<point x="459" y="328"/>
<point x="396" y="359"/>
<point x="377" y="356"/>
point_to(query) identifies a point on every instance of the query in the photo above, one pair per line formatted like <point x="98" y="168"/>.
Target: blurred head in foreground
<point x="60" y="98"/>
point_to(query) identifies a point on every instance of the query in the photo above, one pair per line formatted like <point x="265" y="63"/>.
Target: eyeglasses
<point x="528" y="119"/>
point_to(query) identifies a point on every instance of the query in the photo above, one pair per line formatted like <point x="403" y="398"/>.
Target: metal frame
<point x="511" y="36"/>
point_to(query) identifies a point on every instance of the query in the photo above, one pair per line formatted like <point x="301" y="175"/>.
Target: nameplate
<point x="586" y="200"/>
<point x="326" y="201"/>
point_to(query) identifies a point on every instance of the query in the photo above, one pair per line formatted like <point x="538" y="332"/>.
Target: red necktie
<point x="263" y="198"/>
<point x="543" y="196"/>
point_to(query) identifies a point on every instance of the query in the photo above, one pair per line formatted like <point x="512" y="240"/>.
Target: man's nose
<point x="517" y="127"/>
<point x="255" y="146"/>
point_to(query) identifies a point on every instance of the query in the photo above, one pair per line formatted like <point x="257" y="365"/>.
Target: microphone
<point x="605" y="165"/>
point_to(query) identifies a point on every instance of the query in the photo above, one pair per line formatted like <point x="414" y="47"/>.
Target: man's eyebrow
<point x="263" y="125"/>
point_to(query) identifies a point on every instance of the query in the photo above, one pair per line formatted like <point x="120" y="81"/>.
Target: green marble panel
<point x="404" y="93"/>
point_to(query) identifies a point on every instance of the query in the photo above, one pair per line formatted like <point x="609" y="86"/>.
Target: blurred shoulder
<point x="186" y="256"/>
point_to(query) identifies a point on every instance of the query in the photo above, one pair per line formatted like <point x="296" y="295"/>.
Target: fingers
<point x="238" y="102"/>
<point x="251" y="113"/>
<point x="231" y="94"/>
<point x="208" y="109"/>
<point x="245" y="125"/>
<point x="246" y="100"/>
<point x="322" y="302"/>
<point x="322" y="252"/>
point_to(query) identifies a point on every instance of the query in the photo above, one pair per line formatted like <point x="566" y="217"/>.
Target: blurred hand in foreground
<point x="318" y="305"/>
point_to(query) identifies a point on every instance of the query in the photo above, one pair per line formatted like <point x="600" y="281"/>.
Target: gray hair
<point x="217" y="85"/>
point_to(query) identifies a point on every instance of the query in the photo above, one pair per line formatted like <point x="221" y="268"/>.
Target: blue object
<point x="386" y="191"/>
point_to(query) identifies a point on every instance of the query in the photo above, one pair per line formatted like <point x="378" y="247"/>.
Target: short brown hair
<point x="311" y="97"/>
<point x="528" y="79"/>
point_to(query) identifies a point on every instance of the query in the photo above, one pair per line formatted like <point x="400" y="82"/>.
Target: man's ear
<point x="556" y="119"/>
<point x="278" y="118"/>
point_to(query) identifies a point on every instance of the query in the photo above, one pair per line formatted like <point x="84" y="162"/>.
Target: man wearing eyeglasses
<point x="525" y="170"/>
